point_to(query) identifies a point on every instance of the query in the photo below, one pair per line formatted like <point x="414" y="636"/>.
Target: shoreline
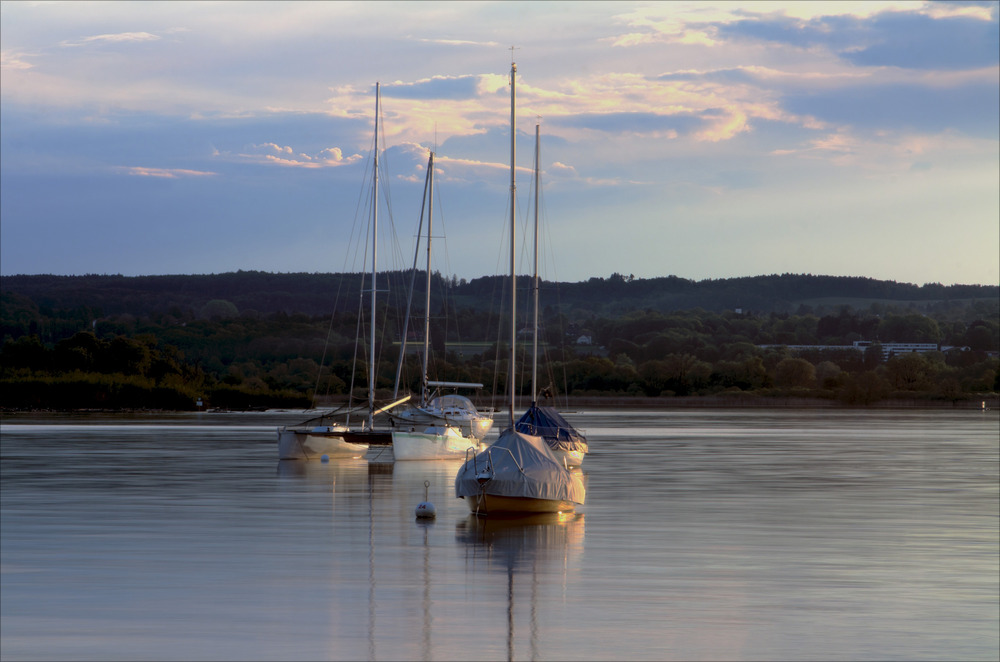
<point x="748" y="401"/>
<point x="991" y="401"/>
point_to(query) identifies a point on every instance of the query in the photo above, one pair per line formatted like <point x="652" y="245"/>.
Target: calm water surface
<point x="722" y="535"/>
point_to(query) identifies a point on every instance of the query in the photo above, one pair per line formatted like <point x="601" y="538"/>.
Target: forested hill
<point x="252" y="339"/>
<point x="319" y="294"/>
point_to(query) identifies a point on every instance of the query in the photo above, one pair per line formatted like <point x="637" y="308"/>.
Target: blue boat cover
<point x="549" y="424"/>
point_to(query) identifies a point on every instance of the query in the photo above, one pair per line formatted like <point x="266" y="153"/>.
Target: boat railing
<point x="475" y="464"/>
<point x="488" y="469"/>
<point x="489" y="453"/>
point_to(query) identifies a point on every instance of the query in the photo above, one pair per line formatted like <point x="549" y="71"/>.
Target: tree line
<point x="64" y="352"/>
<point x="324" y="293"/>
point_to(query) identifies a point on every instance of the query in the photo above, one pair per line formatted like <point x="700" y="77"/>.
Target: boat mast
<point x="513" y="276"/>
<point x="371" y="351"/>
<point x="534" y="341"/>
<point x="413" y="280"/>
<point x="427" y="300"/>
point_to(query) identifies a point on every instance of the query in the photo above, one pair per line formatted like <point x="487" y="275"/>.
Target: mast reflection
<point x="539" y="545"/>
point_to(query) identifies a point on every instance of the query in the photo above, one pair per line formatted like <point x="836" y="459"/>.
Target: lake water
<point x="710" y="534"/>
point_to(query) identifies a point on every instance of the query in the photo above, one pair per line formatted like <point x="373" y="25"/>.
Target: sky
<point x="703" y="140"/>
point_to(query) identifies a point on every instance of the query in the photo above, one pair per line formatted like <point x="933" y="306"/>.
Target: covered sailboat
<point x="562" y="438"/>
<point x="566" y="442"/>
<point x="518" y="473"/>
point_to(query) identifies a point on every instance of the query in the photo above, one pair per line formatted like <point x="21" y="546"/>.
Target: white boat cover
<point x="519" y="465"/>
<point x="451" y="409"/>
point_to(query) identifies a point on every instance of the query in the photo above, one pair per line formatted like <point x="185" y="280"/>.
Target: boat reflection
<point x="371" y="518"/>
<point x="323" y="472"/>
<point x="525" y="538"/>
<point x="541" y="546"/>
<point x="395" y="486"/>
<point x="342" y="475"/>
<point x="408" y="481"/>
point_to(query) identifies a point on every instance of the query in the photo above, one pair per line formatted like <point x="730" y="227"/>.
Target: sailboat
<point x="567" y="443"/>
<point x="518" y="473"/>
<point x="309" y="441"/>
<point x="436" y="430"/>
<point x="314" y="439"/>
<point x="450" y="409"/>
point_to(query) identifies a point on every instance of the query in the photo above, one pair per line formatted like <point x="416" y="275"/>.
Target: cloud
<point x="971" y="108"/>
<point x="681" y="36"/>
<point x="460" y="42"/>
<point x="13" y="61"/>
<point x="984" y="10"/>
<point x="891" y="157"/>
<point x="115" y="38"/>
<point x="731" y="75"/>
<point x="726" y="124"/>
<point x="837" y="148"/>
<point x="273" y="154"/>
<point x="165" y="173"/>
<point x="915" y="41"/>
<point x="474" y="169"/>
<point x="894" y="38"/>
<point x="438" y="87"/>
<point x="655" y="27"/>
<point x="649" y="123"/>
<point x="709" y="124"/>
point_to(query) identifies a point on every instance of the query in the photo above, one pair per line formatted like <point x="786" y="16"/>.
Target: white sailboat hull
<point x="452" y="411"/>
<point x="434" y="443"/>
<point x="314" y="444"/>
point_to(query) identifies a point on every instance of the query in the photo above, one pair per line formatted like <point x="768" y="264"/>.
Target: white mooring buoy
<point x="425" y="509"/>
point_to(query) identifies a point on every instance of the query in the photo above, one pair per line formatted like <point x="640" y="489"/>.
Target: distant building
<point x="888" y="348"/>
<point x="894" y="348"/>
<point x="584" y="340"/>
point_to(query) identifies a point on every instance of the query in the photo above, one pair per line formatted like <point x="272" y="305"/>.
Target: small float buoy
<point x="325" y="458"/>
<point x="425" y="509"/>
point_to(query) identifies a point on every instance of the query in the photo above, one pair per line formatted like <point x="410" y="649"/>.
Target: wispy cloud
<point x="114" y="38"/>
<point x="460" y="42"/>
<point x="283" y="155"/>
<point x="13" y="61"/>
<point x="165" y="173"/>
<point x="436" y="87"/>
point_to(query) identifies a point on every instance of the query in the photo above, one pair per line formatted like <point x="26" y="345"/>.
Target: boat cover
<point x="449" y="407"/>
<point x="453" y="401"/>
<point x="521" y="466"/>
<point x="556" y="430"/>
